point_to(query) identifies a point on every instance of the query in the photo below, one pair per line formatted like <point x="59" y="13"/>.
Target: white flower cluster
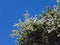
<point x="46" y="23"/>
<point x="51" y="20"/>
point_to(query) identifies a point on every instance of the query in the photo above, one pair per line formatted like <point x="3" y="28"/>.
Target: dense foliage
<point x="39" y="30"/>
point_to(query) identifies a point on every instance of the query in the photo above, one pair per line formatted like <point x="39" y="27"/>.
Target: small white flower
<point x="34" y="20"/>
<point x="58" y="35"/>
<point x="53" y="28"/>
<point x="14" y="31"/>
<point x="16" y="25"/>
<point x="49" y="31"/>
<point x="52" y="22"/>
<point x="58" y="25"/>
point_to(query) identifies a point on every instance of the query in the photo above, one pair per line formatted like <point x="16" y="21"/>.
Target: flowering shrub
<point x="39" y="31"/>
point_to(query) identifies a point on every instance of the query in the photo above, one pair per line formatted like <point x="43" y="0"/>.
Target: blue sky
<point x="12" y="10"/>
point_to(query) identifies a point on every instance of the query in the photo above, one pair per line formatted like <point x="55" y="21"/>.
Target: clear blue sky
<point x="12" y="10"/>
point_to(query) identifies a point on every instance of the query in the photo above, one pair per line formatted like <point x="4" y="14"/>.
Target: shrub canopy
<point x="39" y="30"/>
